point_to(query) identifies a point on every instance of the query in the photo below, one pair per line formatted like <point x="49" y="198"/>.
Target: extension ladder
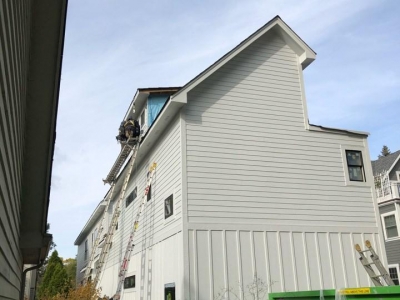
<point x="129" y="248"/>
<point x="99" y="232"/>
<point x="117" y="211"/>
<point x="378" y="264"/>
<point x="119" y="162"/>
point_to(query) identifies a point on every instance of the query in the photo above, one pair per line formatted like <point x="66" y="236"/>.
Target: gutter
<point x="23" y="281"/>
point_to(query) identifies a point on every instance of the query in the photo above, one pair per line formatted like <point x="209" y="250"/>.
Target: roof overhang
<point x="305" y="53"/>
<point x="337" y="130"/>
<point x="45" y="58"/>
<point x="141" y="95"/>
<point x="92" y="221"/>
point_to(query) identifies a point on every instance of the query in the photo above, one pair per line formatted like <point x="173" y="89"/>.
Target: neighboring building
<point x="244" y="187"/>
<point x="387" y="184"/>
<point x="31" y="44"/>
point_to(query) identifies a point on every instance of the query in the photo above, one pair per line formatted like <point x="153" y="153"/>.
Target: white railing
<point x="391" y="191"/>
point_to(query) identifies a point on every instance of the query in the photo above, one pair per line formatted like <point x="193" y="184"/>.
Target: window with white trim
<point x="390" y="226"/>
<point x="169" y="206"/>
<point x="394" y="273"/>
<point x="355" y="165"/>
<point x="132" y="196"/>
<point x="130" y="282"/>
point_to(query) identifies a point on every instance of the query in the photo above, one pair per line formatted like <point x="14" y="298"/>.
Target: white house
<point x="245" y="188"/>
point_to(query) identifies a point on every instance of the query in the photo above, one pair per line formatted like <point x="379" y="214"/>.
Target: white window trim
<point x="347" y="180"/>
<point x="398" y="175"/>
<point x="394" y="212"/>
<point x="130" y="290"/>
<point x="171" y="218"/>
<point x="144" y="111"/>
<point x="397" y="268"/>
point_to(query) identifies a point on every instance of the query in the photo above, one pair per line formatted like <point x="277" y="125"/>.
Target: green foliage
<point x="42" y="269"/>
<point x="70" y="268"/>
<point x="55" y="280"/>
<point x="384" y="152"/>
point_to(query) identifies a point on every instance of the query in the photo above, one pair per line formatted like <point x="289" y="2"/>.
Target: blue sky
<point x="114" y="47"/>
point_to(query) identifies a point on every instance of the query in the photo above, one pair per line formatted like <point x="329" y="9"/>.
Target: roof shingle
<point x="384" y="163"/>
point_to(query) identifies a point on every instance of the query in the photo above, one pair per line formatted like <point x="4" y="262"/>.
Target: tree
<point x="55" y="280"/>
<point x="42" y="269"/>
<point x="384" y="152"/>
<point x="70" y="267"/>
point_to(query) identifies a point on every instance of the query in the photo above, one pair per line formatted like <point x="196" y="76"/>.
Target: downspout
<point x="21" y="292"/>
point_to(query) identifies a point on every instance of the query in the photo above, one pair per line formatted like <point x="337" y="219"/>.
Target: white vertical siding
<point x="166" y="268"/>
<point x="14" y="46"/>
<point x="282" y="261"/>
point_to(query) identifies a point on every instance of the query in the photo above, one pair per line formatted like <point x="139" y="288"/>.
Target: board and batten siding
<point x="14" y="46"/>
<point x="153" y="228"/>
<point x="252" y="164"/>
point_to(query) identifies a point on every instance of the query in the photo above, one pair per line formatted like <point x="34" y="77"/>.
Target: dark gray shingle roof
<point x="384" y="163"/>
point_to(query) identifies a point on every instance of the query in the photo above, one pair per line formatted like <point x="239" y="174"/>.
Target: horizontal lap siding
<point x="250" y="159"/>
<point x="153" y="228"/>
<point x="14" y="46"/>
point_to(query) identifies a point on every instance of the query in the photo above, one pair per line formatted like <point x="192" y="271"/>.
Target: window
<point x="355" y="165"/>
<point x="390" y="226"/>
<point x="394" y="273"/>
<point x="86" y="249"/>
<point x="129" y="282"/>
<point x="132" y="196"/>
<point x="169" y="291"/>
<point x="169" y="206"/>
<point x="149" y="193"/>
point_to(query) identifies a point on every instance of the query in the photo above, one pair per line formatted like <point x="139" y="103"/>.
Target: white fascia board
<point x="92" y="220"/>
<point x="395" y="162"/>
<point x="305" y="53"/>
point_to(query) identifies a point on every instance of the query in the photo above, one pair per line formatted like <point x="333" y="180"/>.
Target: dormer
<point x="147" y="105"/>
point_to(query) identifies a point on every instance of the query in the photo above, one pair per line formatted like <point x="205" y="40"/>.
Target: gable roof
<point x="305" y="53"/>
<point x="178" y="95"/>
<point x="385" y="163"/>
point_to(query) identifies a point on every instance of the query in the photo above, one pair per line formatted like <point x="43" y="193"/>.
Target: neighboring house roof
<point x="385" y="163"/>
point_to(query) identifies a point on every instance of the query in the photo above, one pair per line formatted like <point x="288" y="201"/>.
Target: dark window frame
<point x="130" y="282"/>
<point x="171" y="213"/>
<point x="131" y="197"/>
<point x="149" y="194"/>
<point x="86" y="249"/>
<point x="395" y="276"/>
<point x="351" y="165"/>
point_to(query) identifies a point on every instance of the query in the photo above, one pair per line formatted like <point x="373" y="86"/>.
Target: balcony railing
<point x="388" y="191"/>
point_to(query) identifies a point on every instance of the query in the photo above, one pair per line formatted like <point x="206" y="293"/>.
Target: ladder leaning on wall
<point x="129" y="248"/>
<point x="132" y="145"/>
<point x="380" y="279"/>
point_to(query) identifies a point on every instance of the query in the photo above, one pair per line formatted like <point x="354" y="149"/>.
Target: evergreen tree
<point x="384" y="152"/>
<point x="55" y="279"/>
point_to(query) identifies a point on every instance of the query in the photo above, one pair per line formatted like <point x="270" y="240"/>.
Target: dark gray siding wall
<point x="14" y="46"/>
<point x="393" y="252"/>
<point x="393" y="174"/>
<point x="392" y="247"/>
<point x="387" y="208"/>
